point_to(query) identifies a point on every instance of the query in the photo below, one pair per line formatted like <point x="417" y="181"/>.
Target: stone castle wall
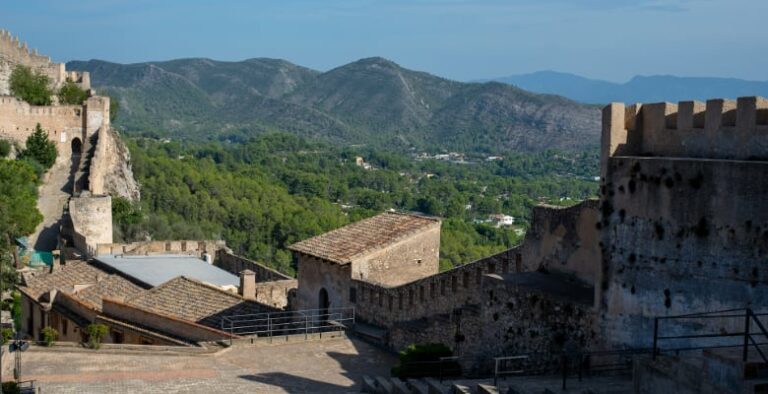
<point x="91" y="219"/>
<point x="684" y="224"/>
<point x="236" y="264"/>
<point x="719" y="129"/>
<point x="414" y="257"/>
<point x="436" y="294"/>
<point x="13" y="53"/>
<point x="564" y="240"/>
<point x="189" y="247"/>
<point x="63" y="123"/>
<point x="508" y="320"/>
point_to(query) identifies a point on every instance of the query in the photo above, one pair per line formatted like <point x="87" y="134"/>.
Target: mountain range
<point x="641" y="89"/>
<point x="371" y="101"/>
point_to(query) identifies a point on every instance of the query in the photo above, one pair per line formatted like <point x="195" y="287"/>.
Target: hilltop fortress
<point x="92" y="163"/>
<point x="680" y="227"/>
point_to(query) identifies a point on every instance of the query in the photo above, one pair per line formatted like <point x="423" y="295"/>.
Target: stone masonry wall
<point x="564" y="240"/>
<point x="436" y="294"/>
<point x="190" y="247"/>
<point x="509" y="320"/>
<point x="91" y="222"/>
<point x="62" y="123"/>
<point x="13" y="53"/>
<point x="719" y="129"/>
<point x="280" y="294"/>
<point x="236" y="264"/>
<point x="414" y="257"/>
<point x="315" y="274"/>
<point x="682" y="236"/>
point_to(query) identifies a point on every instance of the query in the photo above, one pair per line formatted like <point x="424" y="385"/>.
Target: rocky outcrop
<point x="118" y="178"/>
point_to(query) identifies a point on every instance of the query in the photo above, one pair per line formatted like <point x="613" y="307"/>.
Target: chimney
<point x="247" y="284"/>
<point x="55" y="264"/>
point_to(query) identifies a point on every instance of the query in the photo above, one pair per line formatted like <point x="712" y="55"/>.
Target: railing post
<point x="655" y="336"/>
<point x="747" y="321"/>
<point x="565" y="369"/>
<point x="496" y="372"/>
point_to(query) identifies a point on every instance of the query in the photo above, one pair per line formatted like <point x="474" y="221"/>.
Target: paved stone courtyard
<point x="332" y="366"/>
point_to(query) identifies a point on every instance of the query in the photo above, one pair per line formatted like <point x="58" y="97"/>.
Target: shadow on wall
<point x="367" y="360"/>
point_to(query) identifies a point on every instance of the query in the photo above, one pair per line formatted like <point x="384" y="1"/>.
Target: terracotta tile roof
<point x="81" y="280"/>
<point x="194" y="301"/>
<point x="343" y="244"/>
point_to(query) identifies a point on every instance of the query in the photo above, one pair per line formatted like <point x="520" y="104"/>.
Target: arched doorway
<point x="77" y="146"/>
<point x="323" y="303"/>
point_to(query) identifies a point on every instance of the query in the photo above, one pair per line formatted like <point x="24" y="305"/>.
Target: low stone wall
<point x="175" y="327"/>
<point x="236" y="264"/>
<point x="509" y="320"/>
<point x="189" y="247"/>
<point x="441" y="293"/>
<point x="280" y="294"/>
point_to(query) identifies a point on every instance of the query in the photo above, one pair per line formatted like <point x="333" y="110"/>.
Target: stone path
<point x="332" y="366"/>
<point x="53" y="195"/>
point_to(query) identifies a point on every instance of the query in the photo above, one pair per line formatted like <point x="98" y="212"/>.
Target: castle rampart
<point x="435" y="294"/>
<point x="13" y="53"/>
<point x="717" y="129"/>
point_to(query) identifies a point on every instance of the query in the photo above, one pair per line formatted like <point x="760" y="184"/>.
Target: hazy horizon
<point x="612" y="40"/>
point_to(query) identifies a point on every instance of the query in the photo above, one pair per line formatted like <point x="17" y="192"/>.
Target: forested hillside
<point x="372" y="102"/>
<point x="276" y="189"/>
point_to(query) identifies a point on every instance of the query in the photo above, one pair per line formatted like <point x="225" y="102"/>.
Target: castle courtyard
<point x="330" y="366"/>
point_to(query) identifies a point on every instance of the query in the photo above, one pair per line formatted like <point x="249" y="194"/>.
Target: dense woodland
<point x="266" y="193"/>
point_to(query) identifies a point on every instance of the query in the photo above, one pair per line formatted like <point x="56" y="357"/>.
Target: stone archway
<point x="323" y="302"/>
<point x="77" y="146"/>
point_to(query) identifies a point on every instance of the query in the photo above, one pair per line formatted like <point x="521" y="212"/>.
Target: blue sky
<point x="459" y="39"/>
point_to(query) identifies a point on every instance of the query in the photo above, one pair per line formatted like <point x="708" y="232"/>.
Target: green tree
<point x="40" y="148"/>
<point x="30" y="86"/>
<point x="71" y="93"/>
<point x="5" y="148"/>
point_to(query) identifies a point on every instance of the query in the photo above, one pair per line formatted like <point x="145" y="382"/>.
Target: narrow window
<point x="353" y="295"/>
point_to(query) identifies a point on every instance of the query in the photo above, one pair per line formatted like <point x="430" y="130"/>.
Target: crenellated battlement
<point x="13" y="53"/>
<point x="11" y="46"/>
<point x="717" y="129"/>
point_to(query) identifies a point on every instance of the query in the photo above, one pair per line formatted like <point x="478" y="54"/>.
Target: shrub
<point x="16" y="311"/>
<point x="11" y="388"/>
<point x="71" y="93"/>
<point x="96" y="332"/>
<point x="40" y="148"/>
<point x="424" y="360"/>
<point x="7" y="335"/>
<point x="5" y="148"/>
<point x="30" y="86"/>
<point x="49" y="335"/>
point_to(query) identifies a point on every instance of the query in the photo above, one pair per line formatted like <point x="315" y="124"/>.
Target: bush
<point x="11" y="388"/>
<point x="16" y="311"/>
<point x="7" y="335"/>
<point x="424" y="360"/>
<point x="71" y="93"/>
<point x="49" y="336"/>
<point x="40" y="148"/>
<point x="30" y="86"/>
<point x="5" y="148"/>
<point x="96" y="332"/>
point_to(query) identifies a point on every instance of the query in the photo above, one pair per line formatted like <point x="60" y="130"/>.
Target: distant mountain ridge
<point x="642" y="89"/>
<point x="371" y="101"/>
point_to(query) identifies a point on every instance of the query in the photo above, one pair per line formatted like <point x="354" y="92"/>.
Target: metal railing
<point x="274" y="324"/>
<point x="752" y="327"/>
<point x="566" y="364"/>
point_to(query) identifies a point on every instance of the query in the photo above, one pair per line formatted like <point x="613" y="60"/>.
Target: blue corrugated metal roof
<point x="157" y="269"/>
